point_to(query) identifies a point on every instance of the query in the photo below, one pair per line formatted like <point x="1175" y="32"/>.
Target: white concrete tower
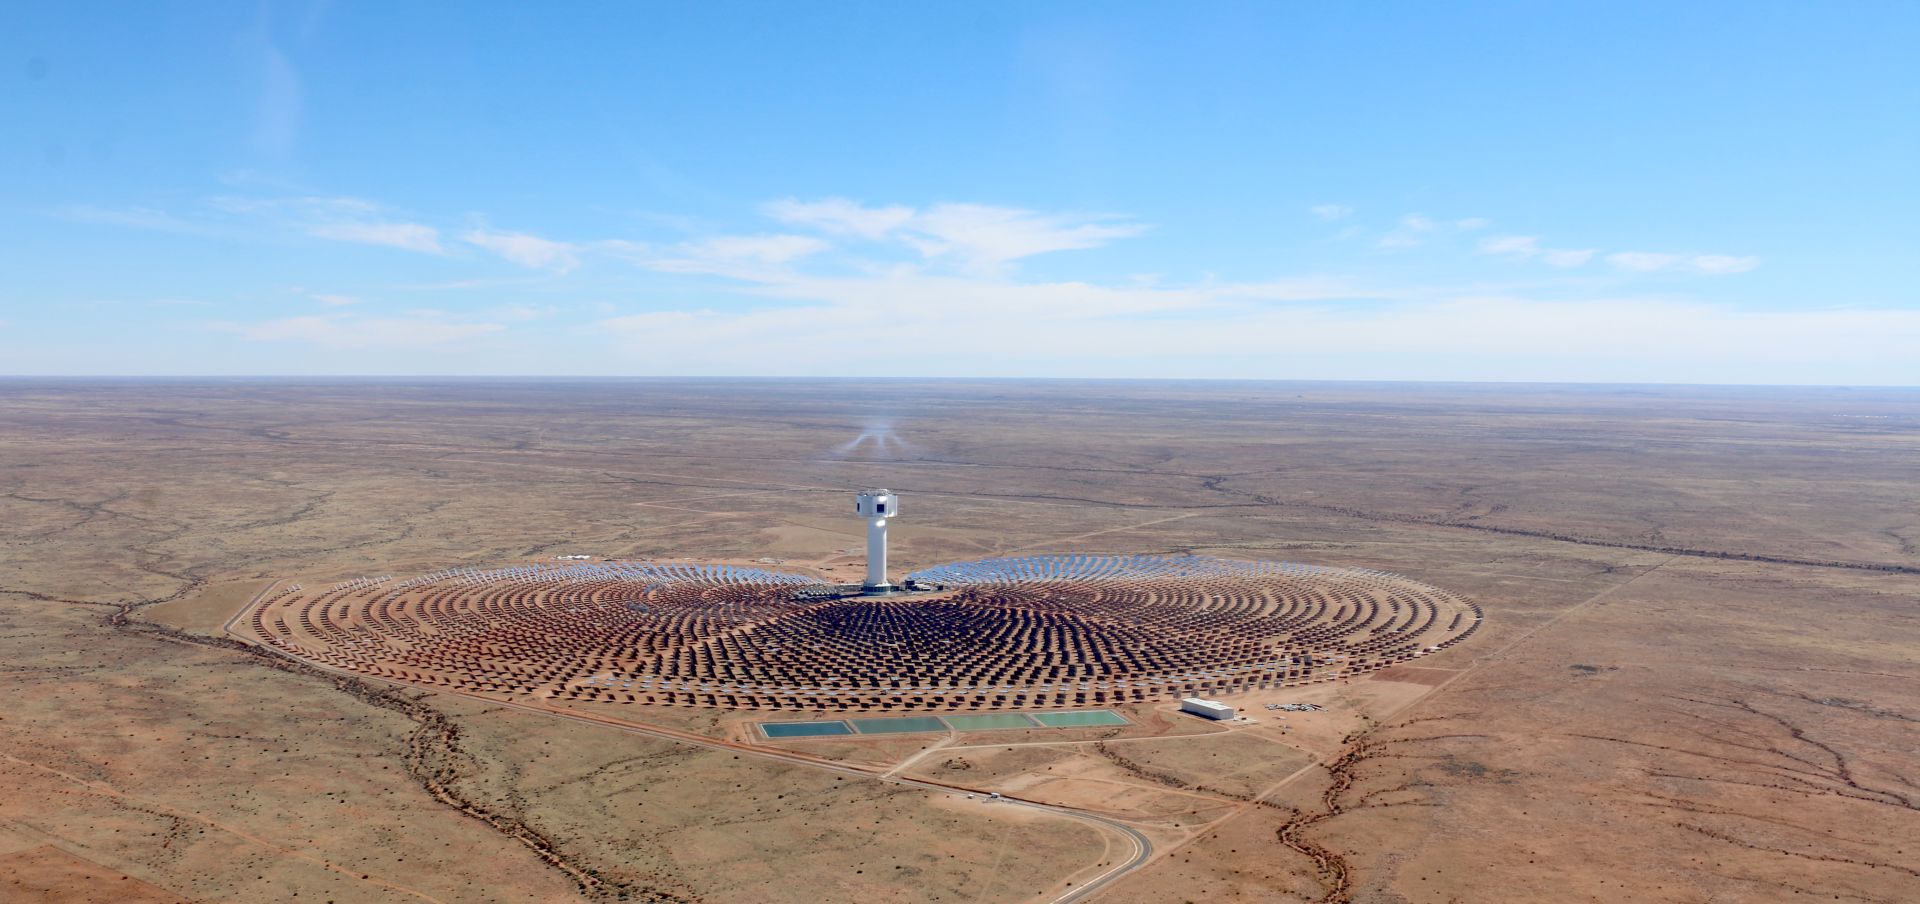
<point x="877" y="506"/>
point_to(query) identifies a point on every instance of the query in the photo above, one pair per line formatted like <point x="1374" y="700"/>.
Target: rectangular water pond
<point x="988" y="721"/>
<point x="899" y="726"/>
<point x="1083" y="718"/>
<point x="804" y="729"/>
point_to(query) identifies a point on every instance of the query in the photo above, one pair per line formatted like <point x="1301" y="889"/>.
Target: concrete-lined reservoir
<point x="804" y="729"/>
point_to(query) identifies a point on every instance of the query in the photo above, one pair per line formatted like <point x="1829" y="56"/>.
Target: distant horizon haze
<point x="613" y="379"/>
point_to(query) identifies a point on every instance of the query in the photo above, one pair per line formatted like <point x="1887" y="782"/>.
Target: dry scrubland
<point x="1696" y="681"/>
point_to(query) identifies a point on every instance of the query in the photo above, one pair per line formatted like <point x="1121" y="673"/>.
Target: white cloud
<point x="764" y="249"/>
<point x="306" y="208"/>
<point x="840" y="216"/>
<point x="456" y="285"/>
<point x="986" y="237"/>
<point x="347" y="331"/>
<point x="1306" y="288"/>
<point x="637" y="252"/>
<point x="988" y="314"/>
<point x="525" y="249"/>
<point x="277" y="118"/>
<point x="1511" y="245"/>
<point x="736" y="256"/>
<point x="1414" y="229"/>
<point x="405" y="236"/>
<point x="981" y="326"/>
<point x="933" y="280"/>
<point x="976" y="236"/>
<point x="1655" y="261"/>
<point x="132" y="217"/>
<point x="975" y="320"/>
<point x="1331" y="212"/>
<point x="1567" y="257"/>
<point x="1722" y="263"/>
<point x="1643" y="261"/>
<point x="340" y="219"/>
<point x="1527" y="247"/>
<point x="522" y="312"/>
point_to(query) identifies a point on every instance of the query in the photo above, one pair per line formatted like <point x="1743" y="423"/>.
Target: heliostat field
<point x="1077" y="630"/>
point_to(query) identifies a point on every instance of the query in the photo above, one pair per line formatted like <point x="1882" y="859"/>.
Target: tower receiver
<point x="877" y="507"/>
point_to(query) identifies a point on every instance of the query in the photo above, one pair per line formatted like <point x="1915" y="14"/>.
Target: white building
<point x="877" y="506"/>
<point x="1211" y="709"/>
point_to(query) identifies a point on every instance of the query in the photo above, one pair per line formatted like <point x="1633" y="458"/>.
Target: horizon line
<point x="927" y="379"/>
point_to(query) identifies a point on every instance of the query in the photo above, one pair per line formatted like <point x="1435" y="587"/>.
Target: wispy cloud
<point x="405" y="236"/>
<point x="1723" y="263"/>
<point x="340" y="219"/>
<point x="350" y="331"/>
<point x="1566" y="257"/>
<point x="1331" y="212"/>
<point x="277" y="117"/>
<point x="989" y="236"/>
<point x="1654" y="261"/>
<point x="741" y="256"/>
<point x="1511" y="245"/>
<point x="1527" y="247"/>
<point x="521" y="313"/>
<point x="334" y="218"/>
<point x="526" y="250"/>
<point x="996" y="323"/>
<point x="130" y="217"/>
<point x="1024" y="321"/>
<point x="1220" y="331"/>
<point x="475" y="283"/>
<point x="839" y="216"/>
<point x="1414" y="229"/>
<point x="993" y="326"/>
<point x="936" y="280"/>
<point x="975" y="236"/>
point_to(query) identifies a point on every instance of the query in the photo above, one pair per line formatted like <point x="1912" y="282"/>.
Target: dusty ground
<point x="1696" y="681"/>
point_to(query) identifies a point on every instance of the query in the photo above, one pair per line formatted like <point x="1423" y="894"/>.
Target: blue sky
<point x="1719" y="193"/>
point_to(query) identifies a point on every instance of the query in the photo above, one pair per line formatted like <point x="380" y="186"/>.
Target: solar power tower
<point x="877" y="506"/>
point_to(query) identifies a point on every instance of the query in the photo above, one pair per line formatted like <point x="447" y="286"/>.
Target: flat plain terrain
<point x="1697" y="678"/>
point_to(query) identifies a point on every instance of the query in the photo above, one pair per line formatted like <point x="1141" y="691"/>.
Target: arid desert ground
<point x="1698" y="678"/>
